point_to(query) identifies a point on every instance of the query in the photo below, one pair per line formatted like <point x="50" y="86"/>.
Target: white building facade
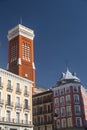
<point x="15" y="102"/>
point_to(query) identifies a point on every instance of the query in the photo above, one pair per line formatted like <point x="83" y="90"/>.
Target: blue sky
<point x="60" y="28"/>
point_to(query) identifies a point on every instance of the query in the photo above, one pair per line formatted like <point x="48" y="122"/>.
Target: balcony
<point x="14" y="121"/>
<point x="18" y="106"/>
<point x="9" y="88"/>
<point x="47" y="100"/>
<point x="26" y="108"/>
<point x="18" y="91"/>
<point x="26" y="93"/>
<point x="9" y="104"/>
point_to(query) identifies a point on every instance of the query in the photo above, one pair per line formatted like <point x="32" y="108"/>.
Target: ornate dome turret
<point x="68" y="77"/>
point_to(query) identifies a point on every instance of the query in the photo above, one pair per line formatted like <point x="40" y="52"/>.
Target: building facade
<point x="21" y="52"/>
<point x="70" y="103"/>
<point x="15" y="102"/>
<point x="43" y="110"/>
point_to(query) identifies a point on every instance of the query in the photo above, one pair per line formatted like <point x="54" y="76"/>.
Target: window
<point x="8" y="115"/>
<point x="63" y="123"/>
<point x="75" y="89"/>
<point x="8" y="99"/>
<point x="35" y="121"/>
<point x="9" y="84"/>
<point x="18" y="87"/>
<point x="57" y="111"/>
<point x="68" y="110"/>
<point x="26" y="104"/>
<point x="17" y="101"/>
<point x="67" y="90"/>
<point x="62" y="102"/>
<point x="26" y="118"/>
<point x="68" y="99"/>
<point x="26" y="90"/>
<point x="69" y="120"/>
<point x="77" y="110"/>
<point x="58" y="123"/>
<point x="41" y="120"/>
<point x="48" y="119"/>
<point x="56" y="102"/>
<point x="63" y="112"/>
<point x="55" y="93"/>
<point x="17" y="117"/>
<point x="62" y="91"/>
<point x="78" y="122"/>
<point x="26" y="51"/>
<point x="76" y="99"/>
<point x="14" y="52"/>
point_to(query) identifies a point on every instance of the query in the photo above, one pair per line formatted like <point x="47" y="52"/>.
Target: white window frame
<point x="58" y="123"/>
<point x="63" y="123"/>
<point x="77" y="112"/>
<point x="69" y="121"/>
<point x="76" y="99"/>
<point x="69" y="111"/>
<point x="80" y="121"/>
<point x="55" y="93"/>
<point x="68" y="99"/>
<point x="63" y="111"/>
<point x="67" y="88"/>
<point x="61" y="91"/>
<point x="56" y="102"/>
<point x="62" y="101"/>
<point x="75" y="89"/>
<point x="57" y="111"/>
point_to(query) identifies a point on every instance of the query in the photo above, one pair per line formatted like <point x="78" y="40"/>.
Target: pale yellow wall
<point x="23" y="82"/>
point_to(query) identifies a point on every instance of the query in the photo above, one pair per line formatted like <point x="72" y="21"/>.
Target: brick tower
<point x="21" y="52"/>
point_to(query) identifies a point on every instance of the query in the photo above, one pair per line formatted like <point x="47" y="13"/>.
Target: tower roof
<point x="68" y="77"/>
<point x="20" y="30"/>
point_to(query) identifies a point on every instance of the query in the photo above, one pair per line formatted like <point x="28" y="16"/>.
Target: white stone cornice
<point x="14" y="76"/>
<point x="20" y="30"/>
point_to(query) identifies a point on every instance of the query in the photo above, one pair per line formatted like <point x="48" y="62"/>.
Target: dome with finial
<point x="68" y="77"/>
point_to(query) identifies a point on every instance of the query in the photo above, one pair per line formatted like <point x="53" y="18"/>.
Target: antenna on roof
<point x="20" y="20"/>
<point x="67" y="64"/>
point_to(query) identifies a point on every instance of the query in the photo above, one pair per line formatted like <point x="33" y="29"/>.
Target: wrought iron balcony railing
<point x="18" y="106"/>
<point x="26" y="93"/>
<point x="26" y="107"/>
<point x="14" y="121"/>
<point x="9" y="88"/>
<point x="18" y="91"/>
<point x="9" y="104"/>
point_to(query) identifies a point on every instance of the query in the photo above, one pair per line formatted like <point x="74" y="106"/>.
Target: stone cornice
<point x="20" y="30"/>
<point x="9" y="74"/>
